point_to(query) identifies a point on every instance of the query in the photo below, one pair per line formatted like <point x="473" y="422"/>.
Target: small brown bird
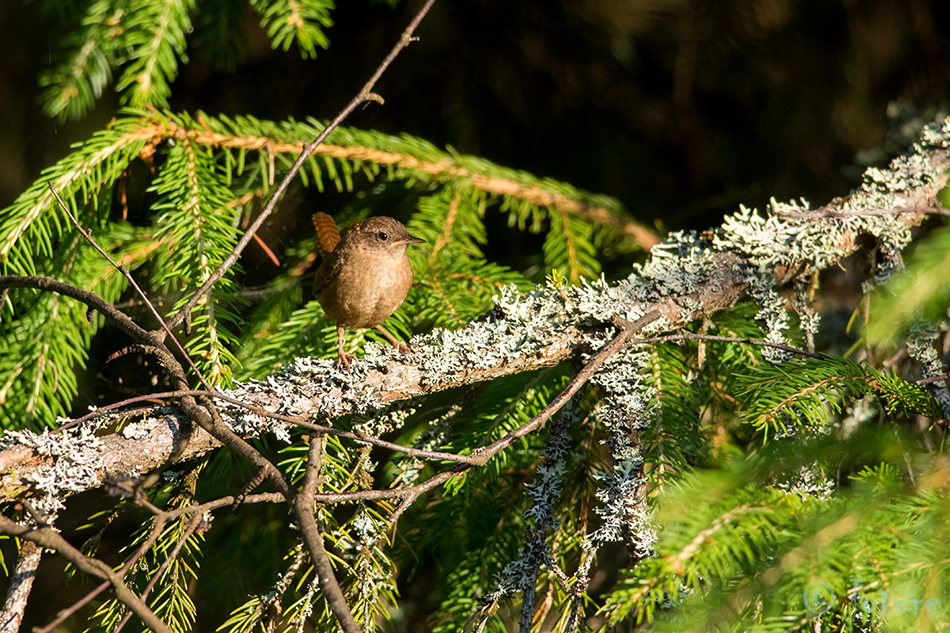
<point x="364" y="276"/>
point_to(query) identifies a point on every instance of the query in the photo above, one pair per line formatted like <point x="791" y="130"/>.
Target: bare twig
<point x="304" y="510"/>
<point x="445" y="169"/>
<point x="207" y="417"/>
<point x="690" y="336"/>
<point x="271" y="603"/>
<point x="618" y="342"/>
<point x="89" y="298"/>
<point x="364" y="96"/>
<point x="122" y="269"/>
<point x="932" y="379"/>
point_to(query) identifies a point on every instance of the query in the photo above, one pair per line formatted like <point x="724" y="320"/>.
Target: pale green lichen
<point x="76" y="459"/>
<point x="809" y="482"/>
<point x="520" y="325"/>
<point x="681" y="265"/>
<point x="629" y="405"/>
<point x="386" y="420"/>
<point x="434" y="437"/>
<point x="137" y="430"/>
<point x="863" y="410"/>
<point x="920" y="347"/>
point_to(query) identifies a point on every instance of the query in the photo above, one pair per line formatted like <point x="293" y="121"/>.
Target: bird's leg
<point x="343" y="356"/>
<point x="399" y="345"/>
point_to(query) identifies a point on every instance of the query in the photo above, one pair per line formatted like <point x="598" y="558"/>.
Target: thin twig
<point x="399" y="448"/>
<point x="125" y="272"/>
<point x="205" y="416"/>
<point x="272" y="601"/>
<point x="91" y="299"/>
<point x="207" y="506"/>
<point x="933" y="379"/>
<point x="690" y="336"/>
<point x="364" y="95"/>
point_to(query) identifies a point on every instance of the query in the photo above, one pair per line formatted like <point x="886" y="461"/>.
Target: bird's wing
<point x="328" y="271"/>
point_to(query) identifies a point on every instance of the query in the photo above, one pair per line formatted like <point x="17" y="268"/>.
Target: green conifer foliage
<point x="716" y="471"/>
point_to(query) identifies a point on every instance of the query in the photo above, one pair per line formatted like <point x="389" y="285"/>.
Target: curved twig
<point x="49" y="538"/>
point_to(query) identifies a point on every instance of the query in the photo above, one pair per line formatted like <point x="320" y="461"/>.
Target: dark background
<point x="682" y="109"/>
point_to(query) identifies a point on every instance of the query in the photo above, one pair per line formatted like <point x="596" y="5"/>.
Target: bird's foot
<point x="344" y="359"/>
<point x="405" y="348"/>
<point x="399" y="345"/>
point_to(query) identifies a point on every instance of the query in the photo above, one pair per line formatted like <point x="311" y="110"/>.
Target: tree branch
<point x="304" y="509"/>
<point x="689" y="276"/>
<point x="20" y="585"/>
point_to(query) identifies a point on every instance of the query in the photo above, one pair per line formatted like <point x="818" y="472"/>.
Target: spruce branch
<point x="288" y="22"/>
<point x="198" y="410"/>
<point x="29" y="230"/>
<point x="160" y="518"/>
<point x="154" y="38"/>
<point x="73" y="86"/>
<point x="63" y="615"/>
<point x="419" y="162"/>
<point x="456" y="289"/>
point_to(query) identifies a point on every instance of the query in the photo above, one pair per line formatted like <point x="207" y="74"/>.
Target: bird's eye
<point x="382" y="236"/>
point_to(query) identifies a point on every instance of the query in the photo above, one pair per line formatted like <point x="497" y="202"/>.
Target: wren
<point x="364" y="276"/>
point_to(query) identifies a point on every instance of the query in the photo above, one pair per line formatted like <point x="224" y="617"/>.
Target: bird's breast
<point x="366" y="293"/>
